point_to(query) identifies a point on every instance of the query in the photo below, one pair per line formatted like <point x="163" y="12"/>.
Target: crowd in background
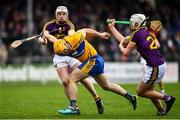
<point x="85" y="13"/>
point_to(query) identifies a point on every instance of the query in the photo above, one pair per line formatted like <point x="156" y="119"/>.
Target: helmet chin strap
<point x="144" y="21"/>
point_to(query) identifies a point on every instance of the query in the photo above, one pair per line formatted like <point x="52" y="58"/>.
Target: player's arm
<point x="87" y="32"/>
<point x="127" y="50"/>
<point x="119" y="37"/>
<point x="49" y="37"/>
<point x="43" y="40"/>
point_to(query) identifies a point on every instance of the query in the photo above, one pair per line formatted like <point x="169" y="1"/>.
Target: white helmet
<point x="61" y="9"/>
<point x="137" y="18"/>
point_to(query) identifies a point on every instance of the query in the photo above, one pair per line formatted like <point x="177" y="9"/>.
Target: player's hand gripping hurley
<point x="17" y="43"/>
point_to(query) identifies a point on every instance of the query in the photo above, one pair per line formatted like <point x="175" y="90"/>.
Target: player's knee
<point x="139" y="92"/>
<point x="105" y="87"/>
<point x="65" y="83"/>
<point x="70" y="80"/>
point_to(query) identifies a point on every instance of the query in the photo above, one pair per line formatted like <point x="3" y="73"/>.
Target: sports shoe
<point x="134" y="102"/>
<point x="100" y="106"/>
<point x="169" y="103"/>
<point x="161" y="113"/>
<point x="70" y="111"/>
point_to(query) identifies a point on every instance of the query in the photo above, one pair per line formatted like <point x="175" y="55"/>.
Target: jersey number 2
<point x="153" y="42"/>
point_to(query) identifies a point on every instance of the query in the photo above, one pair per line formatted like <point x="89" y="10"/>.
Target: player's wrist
<point x="111" y="26"/>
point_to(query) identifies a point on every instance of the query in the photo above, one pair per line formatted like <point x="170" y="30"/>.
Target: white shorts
<point x="154" y="74"/>
<point x="142" y="61"/>
<point x="61" y="61"/>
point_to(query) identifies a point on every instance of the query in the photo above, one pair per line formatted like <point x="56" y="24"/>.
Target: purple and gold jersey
<point x="145" y="43"/>
<point x="61" y="33"/>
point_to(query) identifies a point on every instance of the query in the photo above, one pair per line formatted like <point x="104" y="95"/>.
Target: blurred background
<point x="24" y="18"/>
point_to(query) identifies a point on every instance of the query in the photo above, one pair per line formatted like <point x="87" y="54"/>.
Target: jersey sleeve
<point x="47" y="25"/>
<point x="70" y="24"/>
<point x="133" y="37"/>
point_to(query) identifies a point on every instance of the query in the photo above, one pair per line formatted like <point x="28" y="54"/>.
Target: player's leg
<point x="161" y="86"/>
<point x="63" y="74"/>
<point x="103" y="82"/>
<point x="62" y="68"/>
<point x="75" y="76"/>
<point x="89" y="86"/>
<point x="147" y="90"/>
<point x="60" y="63"/>
<point x="146" y="86"/>
<point x="157" y="103"/>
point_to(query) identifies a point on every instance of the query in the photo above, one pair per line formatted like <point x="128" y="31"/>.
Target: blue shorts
<point x="93" y="66"/>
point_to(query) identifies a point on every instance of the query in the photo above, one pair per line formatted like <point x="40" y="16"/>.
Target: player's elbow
<point x="158" y="46"/>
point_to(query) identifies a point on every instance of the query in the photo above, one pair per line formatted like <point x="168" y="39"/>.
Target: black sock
<point x="128" y="96"/>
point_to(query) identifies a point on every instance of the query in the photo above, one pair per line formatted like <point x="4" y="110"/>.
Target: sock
<point x="166" y="97"/>
<point x="128" y="96"/>
<point x="73" y="103"/>
<point x="96" y="97"/>
<point x="162" y="91"/>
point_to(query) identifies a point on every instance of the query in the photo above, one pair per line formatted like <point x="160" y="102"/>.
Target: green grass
<point x="33" y="100"/>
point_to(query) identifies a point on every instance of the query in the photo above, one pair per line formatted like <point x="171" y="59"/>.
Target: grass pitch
<point x="29" y="100"/>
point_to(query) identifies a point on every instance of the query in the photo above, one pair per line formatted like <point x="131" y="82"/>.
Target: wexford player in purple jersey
<point x="142" y="39"/>
<point x="62" y="26"/>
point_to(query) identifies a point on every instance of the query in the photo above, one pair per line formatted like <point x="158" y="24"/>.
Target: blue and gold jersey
<point x="75" y="46"/>
<point x="78" y="47"/>
<point x="61" y="33"/>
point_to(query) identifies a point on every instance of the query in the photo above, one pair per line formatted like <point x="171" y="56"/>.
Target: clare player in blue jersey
<point x="77" y="46"/>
